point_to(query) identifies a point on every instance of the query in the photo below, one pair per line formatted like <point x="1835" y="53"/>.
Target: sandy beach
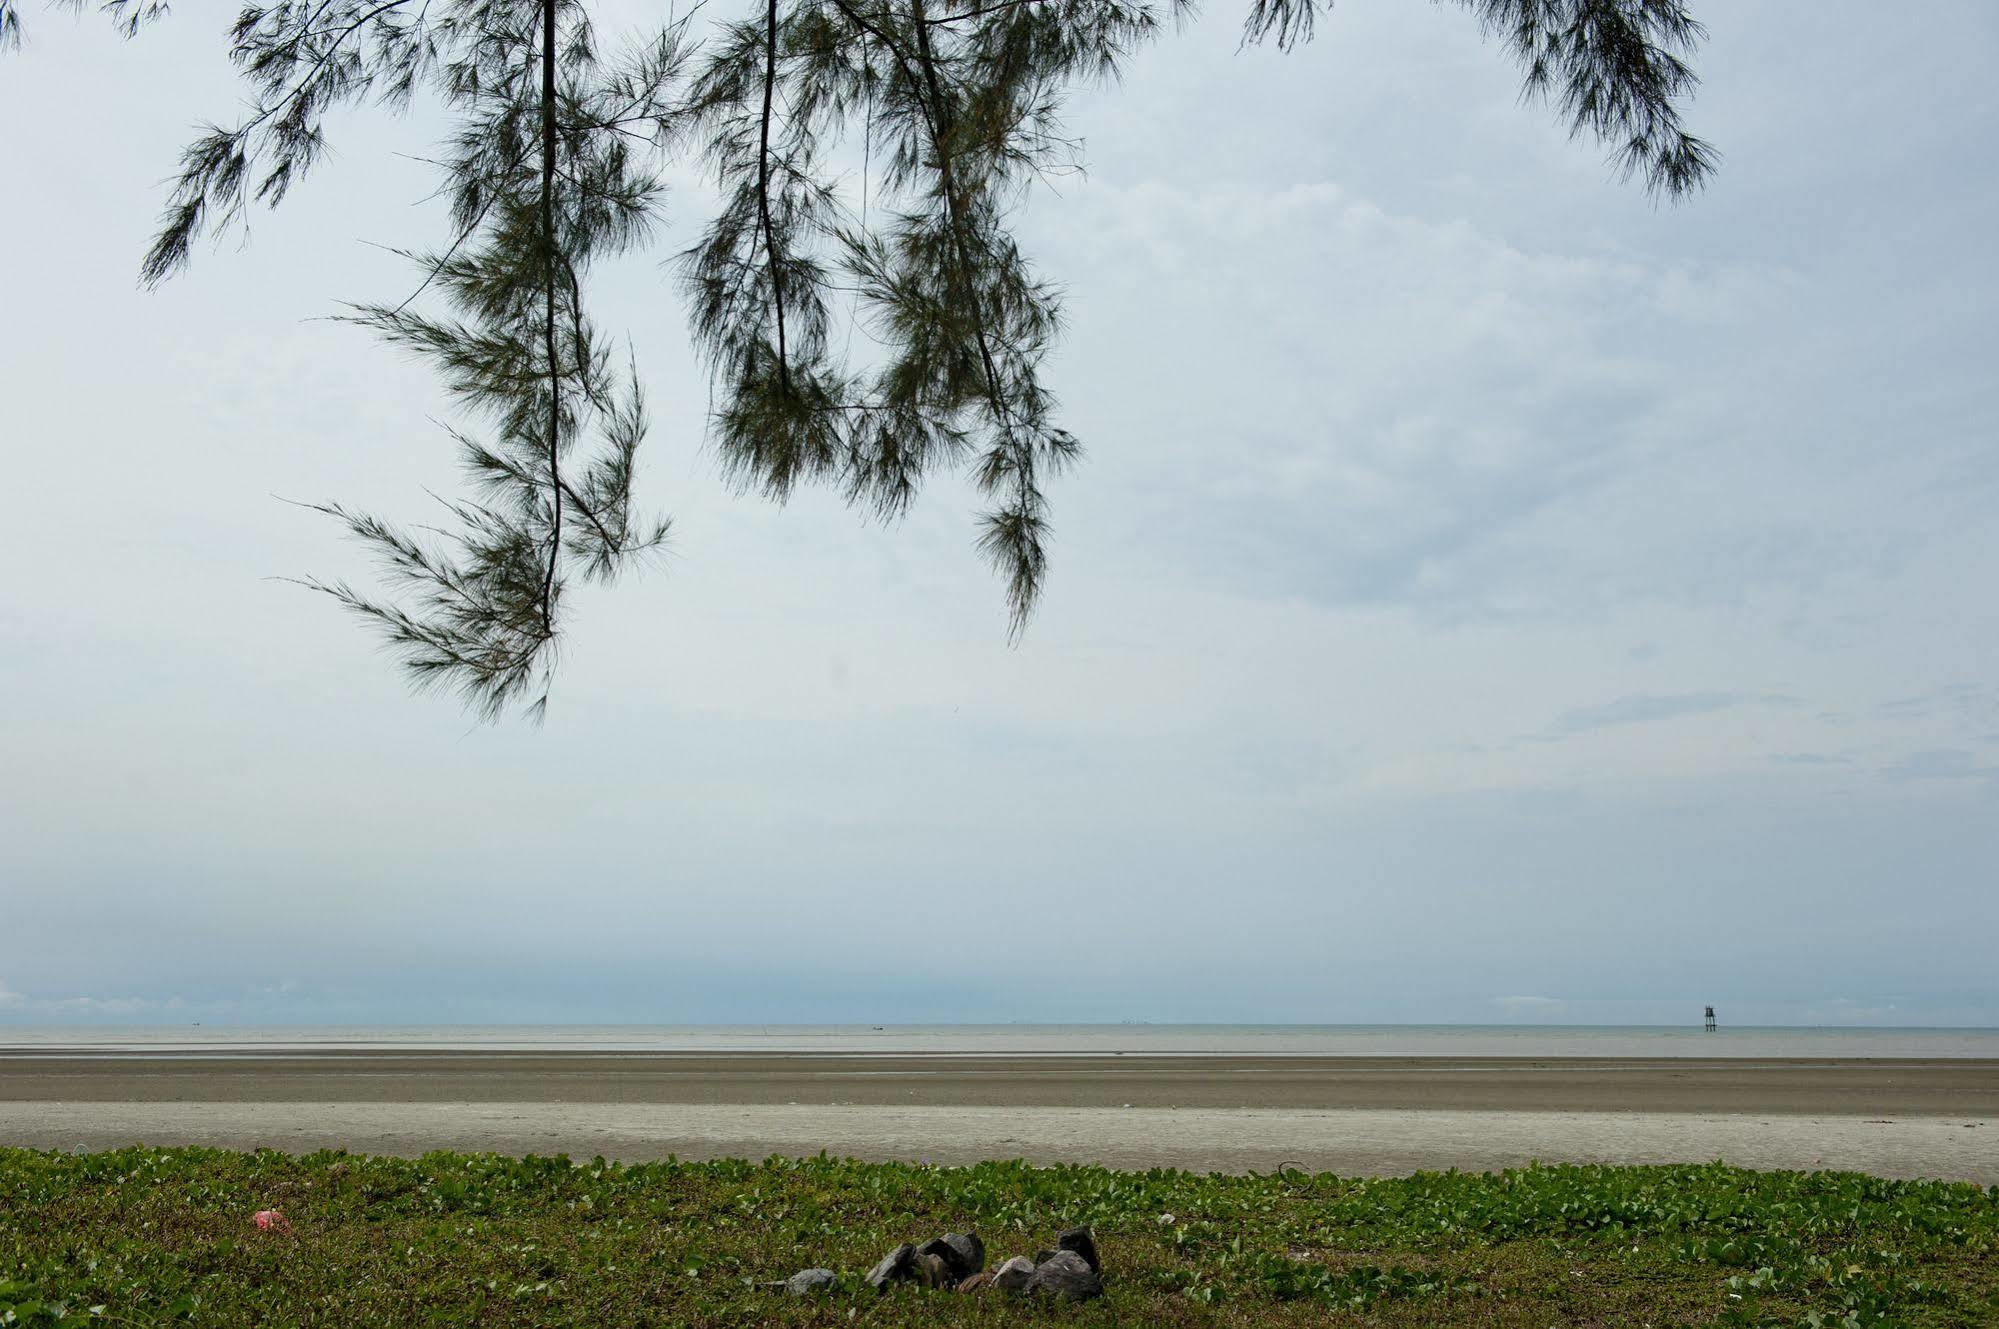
<point x="1789" y="1086"/>
<point x="1353" y="1141"/>
<point x="1364" y="1116"/>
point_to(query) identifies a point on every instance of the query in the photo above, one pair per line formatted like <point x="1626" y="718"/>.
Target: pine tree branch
<point x="967" y="114"/>
<point x="319" y="64"/>
<point x="940" y="132"/>
<point x="548" y="327"/>
<point x="945" y="19"/>
<point x="1011" y="538"/>
<point x="610" y="542"/>
<point x="763" y="191"/>
<point x="584" y="377"/>
<point x="200" y="173"/>
<point x="888" y="44"/>
<point x="457" y="242"/>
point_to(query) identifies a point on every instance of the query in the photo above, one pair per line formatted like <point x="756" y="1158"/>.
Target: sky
<point x="1489" y="595"/>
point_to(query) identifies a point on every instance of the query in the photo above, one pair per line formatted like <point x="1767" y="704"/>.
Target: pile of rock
<point x="1071" y="1271"/>
<point x="944" y="1261"/>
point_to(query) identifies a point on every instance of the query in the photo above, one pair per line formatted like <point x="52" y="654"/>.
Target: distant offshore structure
<point x="1710" y="1019"/>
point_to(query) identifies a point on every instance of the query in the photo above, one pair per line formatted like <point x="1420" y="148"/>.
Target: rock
<point x="1078" y="1239"/>
<point x="934" y="1271"/>
<point x="937" y="1247"/>
<point x="1065" y="1276"/>
<point x="963" y="1251"/>
<point x="895" y="1267"/>
<point x="808" y="1281"/>
<point x="1166" y="1220"/>
<point x="1013" y="1276"/>
<point x="1043" y="1254"/>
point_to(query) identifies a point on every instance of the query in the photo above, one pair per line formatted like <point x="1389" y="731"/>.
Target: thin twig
<point x="548" y="327"/>
<point x="763" y="192"/>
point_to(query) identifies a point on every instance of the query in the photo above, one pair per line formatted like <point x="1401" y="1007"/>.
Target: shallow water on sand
<point x="1044" y="1040"/>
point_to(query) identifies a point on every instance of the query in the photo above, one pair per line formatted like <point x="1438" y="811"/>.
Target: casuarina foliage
<point x="554" y="162"/>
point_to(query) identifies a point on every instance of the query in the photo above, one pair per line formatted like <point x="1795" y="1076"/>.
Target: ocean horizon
<point x="1130" y="1038"/>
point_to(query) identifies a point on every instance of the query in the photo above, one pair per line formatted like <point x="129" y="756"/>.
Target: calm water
<point x="1022" y="1039"/>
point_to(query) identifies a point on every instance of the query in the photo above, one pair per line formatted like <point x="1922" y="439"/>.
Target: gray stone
<point x="808" y="1281"/>
<point x="963" y="1251"/>
<point x="1065" y="1276"/>
<point x="1014" y="1275"/>
<point x="895" y="1267"/>
<point x="1078" y="1239"/>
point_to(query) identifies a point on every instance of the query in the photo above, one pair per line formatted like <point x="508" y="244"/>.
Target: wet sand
<point x="1352" y="1115"/>
<point x="1792" y="1087"/>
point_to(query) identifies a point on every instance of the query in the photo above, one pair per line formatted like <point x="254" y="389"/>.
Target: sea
<point x="1041" y="1040"/>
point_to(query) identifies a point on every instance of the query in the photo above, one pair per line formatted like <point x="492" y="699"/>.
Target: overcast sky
<point x="1488" y="596"/>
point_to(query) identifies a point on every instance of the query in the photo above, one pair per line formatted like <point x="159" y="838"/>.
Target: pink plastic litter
<point x="270" y="1220"/>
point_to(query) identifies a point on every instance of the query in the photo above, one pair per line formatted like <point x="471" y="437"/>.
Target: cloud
<point x="1942" y="764"/>
<point x="1641" y="709"/>
<point x="84" y="1006"/>
<point x="1971" y="703"/>
<point x="101" y="1005"/>
<point x="1853" y="1010"/>
<point x="1389" y="441"/>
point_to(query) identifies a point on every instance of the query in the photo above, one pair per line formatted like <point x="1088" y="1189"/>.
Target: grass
<point x="163" y="1237"/>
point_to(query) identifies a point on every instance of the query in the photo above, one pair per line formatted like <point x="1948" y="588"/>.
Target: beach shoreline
<point x="1350" y="1142"/>
<point x="1784" y="1086"/>
<point x="1357" y="1116"/>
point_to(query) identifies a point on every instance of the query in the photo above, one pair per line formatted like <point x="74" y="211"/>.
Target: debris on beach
<point x="962" y="1252"/>
<point x="1013" y="1276"/>
<point x="1078" y="1240"/>
<point x="1065" y="1276"/>
<point x="1071" y="1270"/>
<point x="898" y="1266"/>
<point x="808" y="1281"/>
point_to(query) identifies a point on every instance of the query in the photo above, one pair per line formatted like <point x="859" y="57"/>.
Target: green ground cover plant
<point x="165" y="1237"/>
